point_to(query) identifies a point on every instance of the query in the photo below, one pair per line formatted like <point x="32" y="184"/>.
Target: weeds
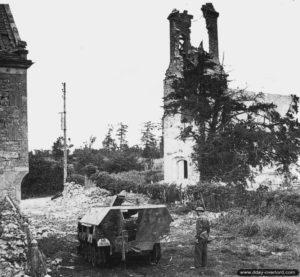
<point x="249" y="228"/>
<point x="277" y="229"/>
<point x="267" y="227"/>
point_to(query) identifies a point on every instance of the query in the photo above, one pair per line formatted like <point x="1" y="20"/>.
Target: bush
<point x="122" y="161"/>
<point x="105" y="181"/>
<point x="133" y="176"/>
<point x="45" y="177"/>
<point x="216" y="198"/>
<point x="164" y="193"/>
<point x="140" y="177"/>
<point x="76" y="178"/>
<point x="173" y="193"/>
<point x="154" y="191"/>
<point x="89" y="170"/>
<point x="153" y="176"/>
<point x="282" y="205"/>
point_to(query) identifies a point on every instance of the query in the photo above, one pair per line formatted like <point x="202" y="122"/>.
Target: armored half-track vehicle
<point x="121" y="230"/>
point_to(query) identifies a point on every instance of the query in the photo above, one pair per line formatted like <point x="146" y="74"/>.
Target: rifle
<point x="202" y="201"/>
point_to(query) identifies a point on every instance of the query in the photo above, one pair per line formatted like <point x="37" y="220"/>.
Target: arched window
<point x="185" y="169"/>
<point x="182" y="169"/>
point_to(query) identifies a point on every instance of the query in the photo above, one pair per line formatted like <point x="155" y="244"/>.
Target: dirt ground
<point x="226" y="254"/>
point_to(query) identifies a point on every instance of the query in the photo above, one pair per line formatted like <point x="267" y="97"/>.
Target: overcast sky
<point x="113" y="56"/>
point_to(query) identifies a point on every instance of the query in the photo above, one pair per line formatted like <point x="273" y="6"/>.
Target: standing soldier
<point x="202" y="234"/>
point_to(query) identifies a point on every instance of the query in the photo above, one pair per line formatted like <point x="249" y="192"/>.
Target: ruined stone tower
<point x="178" y="165"/>
<point x="211" y="17"/>
<point x="180" y="24"/>
<point x="13" y="107"/>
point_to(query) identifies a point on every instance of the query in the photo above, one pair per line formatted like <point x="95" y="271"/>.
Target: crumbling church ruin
<point x="178" y="165"/>
<point x="13" y="107"/>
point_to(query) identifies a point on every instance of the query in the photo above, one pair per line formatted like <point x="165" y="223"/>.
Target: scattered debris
<point x="56" y="230"/>
<point x="13" y="242"/>
<point x="59" y="216"/>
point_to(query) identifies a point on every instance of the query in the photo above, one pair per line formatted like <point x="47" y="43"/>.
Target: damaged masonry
<point x="19" y="254"/>
<point x="179" y="167"/>
<point x="135" y="222"/>
<point x="13" y="107"/>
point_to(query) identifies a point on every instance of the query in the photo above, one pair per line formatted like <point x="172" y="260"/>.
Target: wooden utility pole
<point x="64" y="127"/>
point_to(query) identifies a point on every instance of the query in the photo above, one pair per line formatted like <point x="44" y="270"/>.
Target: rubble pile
<point x="75" y="194"/>
<point x="13" y="242"/>
<point x="76" y="199"/>
<point x="59" y="217"/>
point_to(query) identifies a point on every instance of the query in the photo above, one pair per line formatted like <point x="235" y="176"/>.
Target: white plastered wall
<point x="176" y="152"/>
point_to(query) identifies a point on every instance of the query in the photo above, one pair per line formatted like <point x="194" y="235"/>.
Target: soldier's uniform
<point x="202" y="230"/>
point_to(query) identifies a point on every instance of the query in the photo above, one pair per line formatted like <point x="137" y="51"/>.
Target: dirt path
<point x="227" y="254"/>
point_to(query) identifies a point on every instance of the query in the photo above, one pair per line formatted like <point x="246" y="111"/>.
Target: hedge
<point x="166" y="193"/>
<point x="282" y="204"/>
<point x="140" y="177"/>
<point x="162" y="192"/>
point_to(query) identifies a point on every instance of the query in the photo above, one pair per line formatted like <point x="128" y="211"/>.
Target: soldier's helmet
<point x="199" y="209"/>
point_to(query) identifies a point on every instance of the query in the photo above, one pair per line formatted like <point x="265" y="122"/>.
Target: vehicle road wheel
<point x="93" y="256"/>
<point x="155" y="254"/>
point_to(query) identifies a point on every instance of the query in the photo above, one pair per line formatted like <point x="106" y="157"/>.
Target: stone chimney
<point x="211" y="17"/>
<point x="180" y="24"/>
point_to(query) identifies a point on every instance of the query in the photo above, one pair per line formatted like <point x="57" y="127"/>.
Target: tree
<point x="45" y="175"/>
<point x="161" y="140"/>
<point x="90" y="143"/>
<point x="58" y="148"/>
<point x="109" y="143"/>
<point x="89" y="170"/>
<point x="125" y="160"/>
<point x="233" y="131"/>
<point x="149" y="142"/>
<point x="87" y="157"/>
<point x="121" y="134"/>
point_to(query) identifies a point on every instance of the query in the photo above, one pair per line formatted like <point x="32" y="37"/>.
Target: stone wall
<point x="211" y="17"/>
<point x="13" y="107"/>
<point x="178" y="165"/>
<point x="176" y="153"/>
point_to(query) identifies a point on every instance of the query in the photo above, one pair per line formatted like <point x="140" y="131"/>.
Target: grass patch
<point x="267" y="227"/>
<point x="277" y="229"/>
<point x="249" y="227"/>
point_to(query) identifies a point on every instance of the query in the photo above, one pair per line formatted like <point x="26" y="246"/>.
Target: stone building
<point x="178" y="165"/>
<point x="13" y="107"/>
